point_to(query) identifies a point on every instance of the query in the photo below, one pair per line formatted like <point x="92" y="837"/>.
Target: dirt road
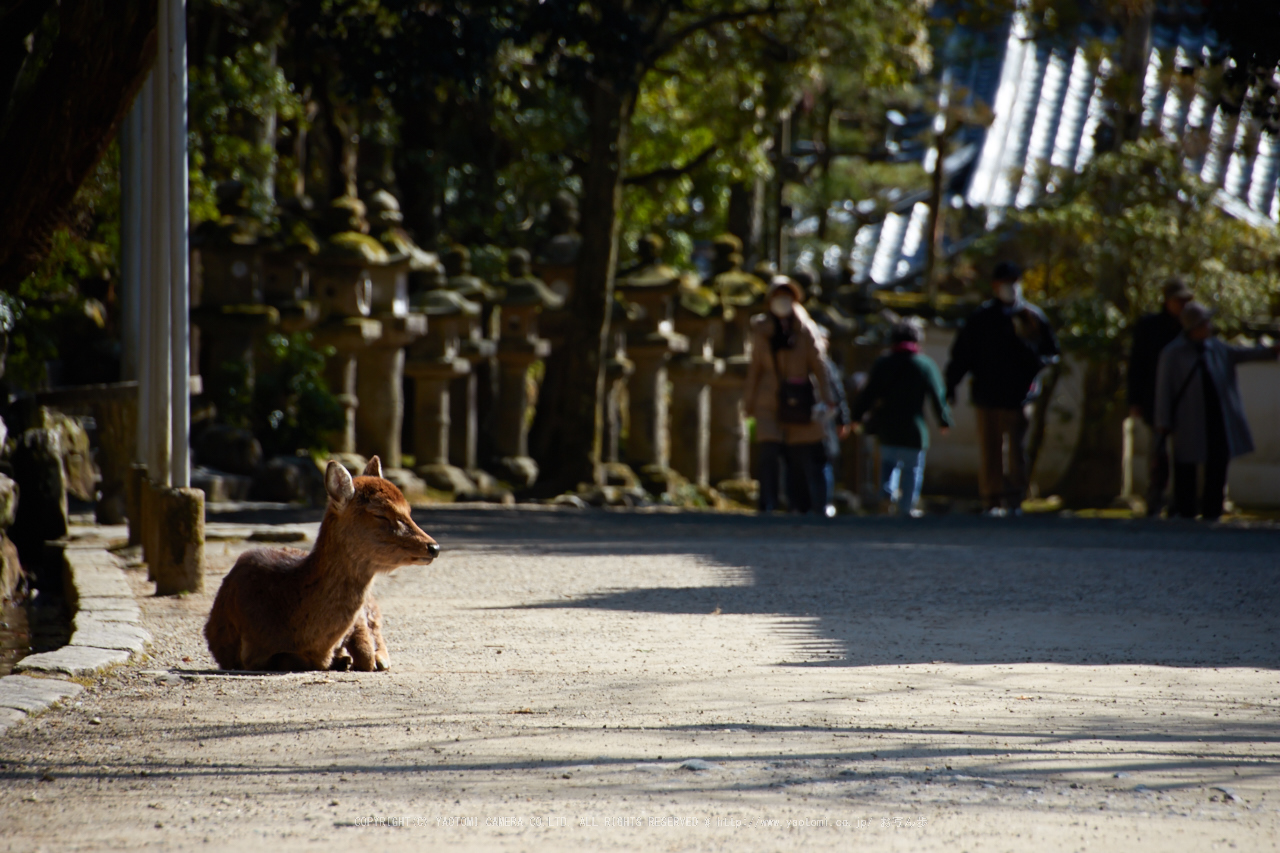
<point x="591" y="681"/>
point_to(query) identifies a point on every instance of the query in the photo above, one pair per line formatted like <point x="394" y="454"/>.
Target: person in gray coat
<point x="1198" y="403"/>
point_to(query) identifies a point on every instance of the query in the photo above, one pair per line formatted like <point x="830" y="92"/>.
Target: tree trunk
<point x="1095" y="475"/>
<point x="573" y="432"/>
<point x="56" y="128"/>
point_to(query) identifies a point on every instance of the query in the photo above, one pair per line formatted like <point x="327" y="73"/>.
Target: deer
<point x="284" y="609"/>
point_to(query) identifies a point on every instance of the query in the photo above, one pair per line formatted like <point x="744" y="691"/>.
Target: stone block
<point x="10" y="717"/>
<point x="118" y="635"/>
<point x="37" y="467"/>
<point x="99" y="582"/>
<point x="178" y="562"/>
<point x="228" y="449"/>
<point x="30" y="695"/>
<point x="101" y="618"/>
<point x="290" y="479"/>
<point x="445" y="478"/>
<point x="115" y="609"/>
<point x="73" y="660"/>
<point x="221" y="487"/>
<point x="8" y="501"/>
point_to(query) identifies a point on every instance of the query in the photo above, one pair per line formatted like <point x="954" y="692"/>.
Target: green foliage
<point x="66" y="298"/>
<point x="239" y="105"/>
<point x="1099" y="247"/>
<point x="290" y="407"/>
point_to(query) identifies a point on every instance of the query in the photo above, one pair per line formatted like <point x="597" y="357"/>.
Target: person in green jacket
<point x="895" y="395"/>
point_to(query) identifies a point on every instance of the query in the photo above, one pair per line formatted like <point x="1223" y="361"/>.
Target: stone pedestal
<point x="691" y="378"/>
<point x="729" y="440"/>
<point x="467" y="399"/>
<point x="350" y="337"/>
<point x="431" y="419"/>
<point x="434" y="364"/>
<point x="380" y="388"/>
<point x="173" y="538"/>
<point x="511" y="422"/>
<point x="651" y="341"/>
<point x="617" y="372"/>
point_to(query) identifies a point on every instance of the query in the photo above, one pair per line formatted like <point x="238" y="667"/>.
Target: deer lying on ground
<point x="286" y="609"/>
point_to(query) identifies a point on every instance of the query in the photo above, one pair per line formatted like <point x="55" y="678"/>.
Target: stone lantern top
<point x="734" y="287"/>
<point x="523" y="288"/>
<point x="347" y="232"/>
<point x="386" y="221"/>
<point x="457" y="265"/>
<point x="562" y="248"/>
<point x="444" y="303"/>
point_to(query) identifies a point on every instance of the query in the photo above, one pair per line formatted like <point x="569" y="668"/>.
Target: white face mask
<point x="780" y="306"/>
<point x="1009" y="294"/>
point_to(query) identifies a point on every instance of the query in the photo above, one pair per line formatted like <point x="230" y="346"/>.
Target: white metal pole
<point x="130" y="238"/>
<point x="146" y="215"/>
<point x="161" y="407"/>
<point x="179" y="292"/>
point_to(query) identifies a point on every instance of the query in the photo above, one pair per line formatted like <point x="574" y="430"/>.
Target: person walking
<point x="895" y="394"/>
<point x="786" y="379"/>
<point x="1004" y="345"/>
<point x="1151" y="334"/>
<point x="1198" y="404"/>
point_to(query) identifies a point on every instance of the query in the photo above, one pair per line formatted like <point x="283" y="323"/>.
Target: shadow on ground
<point x="969" y="590"/>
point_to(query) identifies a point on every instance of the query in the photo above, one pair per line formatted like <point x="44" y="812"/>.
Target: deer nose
<point x="434" y="550"/>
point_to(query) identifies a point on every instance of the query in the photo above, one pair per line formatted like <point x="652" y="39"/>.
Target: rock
<point x="10" y="717"/>
<point x="229" y="449"/>
<point x="12" y="577"/>
<point x="698" y="765"/>
<point x="569" y="500"/>
<point x="128" y="638"/>
<point x="73" y="660"/>
<point x="1228" y="794"/>
<point x="620" y="474"/>
<point x="483" y="479"/>
<point x="37" y="467"/>
<point x="290" y="479"/>
<point x="8" y="502"/>
<point x="77" y="455"/>
<point x="353" y="462"/>
<point x="496" y="495"/>
<point x="658" y="480"/>
<point x="745" y="492"/>
<point x="520" y="471"/>
<point x="30" y="695"/>
<point x="409" y="483"/>
<point x="445" y="478"/>
<point x="221" y="487"/>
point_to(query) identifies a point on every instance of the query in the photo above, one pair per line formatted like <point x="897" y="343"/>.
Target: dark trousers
<point x="806" y="480"/>
<point x="1002" y="474"/>
<point x="1211" y="494"/>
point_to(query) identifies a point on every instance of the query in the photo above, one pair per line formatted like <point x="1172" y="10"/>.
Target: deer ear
<point x="337" y="482"/>
<point x="374" y="468"/>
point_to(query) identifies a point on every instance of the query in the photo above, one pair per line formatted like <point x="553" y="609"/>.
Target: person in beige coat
<point x="787" y="343"/>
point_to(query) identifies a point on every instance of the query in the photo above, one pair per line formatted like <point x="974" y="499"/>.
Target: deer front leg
<point x="361" y="646"/>
<point x="374" y="615"/>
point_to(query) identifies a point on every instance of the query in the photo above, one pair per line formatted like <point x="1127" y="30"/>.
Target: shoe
<point x="996" y="512"/>
<point x="917" y="513"/>
<point x="830" y="511"/>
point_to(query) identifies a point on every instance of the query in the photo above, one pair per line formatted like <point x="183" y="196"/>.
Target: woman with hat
<point x="1198" y="403"/>
<point x="786" y="379"/>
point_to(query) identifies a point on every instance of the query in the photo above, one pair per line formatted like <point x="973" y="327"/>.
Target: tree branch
<point x="662" y="47"/>
<point x="669" y="172"/>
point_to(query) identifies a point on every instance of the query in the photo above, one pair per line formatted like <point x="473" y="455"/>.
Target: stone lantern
<point x="342" y="286"/>
<point x="434" y="364"/>
<point x="227" y="306"/>
<point x="473" y="396"/>
<point x="738" y="294"/>
<point x="651" y="342"/>
<point x="518" y="348"/>
<point x="692" y="372"/>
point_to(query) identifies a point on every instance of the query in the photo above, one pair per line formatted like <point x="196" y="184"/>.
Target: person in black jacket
<point x="1151" y="335"/>
<point x="896" y="392"/>
<point x="1004" y="346"/>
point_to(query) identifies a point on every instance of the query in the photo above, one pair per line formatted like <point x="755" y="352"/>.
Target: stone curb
<point x="105" y="632"/>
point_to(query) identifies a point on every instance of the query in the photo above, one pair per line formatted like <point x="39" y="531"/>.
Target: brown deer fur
<point x="285" y="609"/>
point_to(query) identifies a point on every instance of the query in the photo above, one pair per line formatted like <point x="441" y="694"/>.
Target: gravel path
<point x="599" y="681"/>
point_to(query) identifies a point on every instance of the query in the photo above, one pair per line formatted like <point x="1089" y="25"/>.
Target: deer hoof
<point x="383" y="663"/>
